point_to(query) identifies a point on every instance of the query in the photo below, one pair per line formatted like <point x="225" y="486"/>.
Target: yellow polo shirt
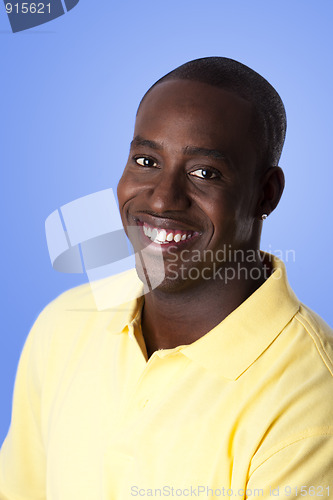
<point x="245" y="411"/>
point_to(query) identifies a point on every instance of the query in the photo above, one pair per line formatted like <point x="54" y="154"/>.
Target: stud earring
<point x="264" y="216"/>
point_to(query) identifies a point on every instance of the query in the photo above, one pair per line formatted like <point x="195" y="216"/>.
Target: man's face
<point x="190" y="183"/>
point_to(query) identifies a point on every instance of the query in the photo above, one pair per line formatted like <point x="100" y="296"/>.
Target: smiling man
<point x="216" y="382"/>
<point x="200" y="175"/>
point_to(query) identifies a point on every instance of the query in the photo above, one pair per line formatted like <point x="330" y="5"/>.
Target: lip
<point x="168" y="224"/>
<point x="164" y="248"/>
<point x="164" y="223"/>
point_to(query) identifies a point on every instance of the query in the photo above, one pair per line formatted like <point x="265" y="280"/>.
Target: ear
<point x="272" y="185"/>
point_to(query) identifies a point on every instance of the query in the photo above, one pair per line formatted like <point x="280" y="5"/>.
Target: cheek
<point x="119" y="192"/>
<point x="224" y="210"/>
<point x="245" y="215"/>
<point x="222" y="216"/>
<point x="229" y="215"/>
<point x="125" y="189"/>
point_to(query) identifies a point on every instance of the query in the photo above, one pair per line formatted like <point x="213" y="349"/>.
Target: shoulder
<point x="297" y="388"/>
<point x="75" y="319"/>
<point x="90" y="303"/>
<point x="319" y="333"/>
<point x="97" y="295"/>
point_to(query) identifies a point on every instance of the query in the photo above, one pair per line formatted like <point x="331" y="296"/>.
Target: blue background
<point x="69" y="92"/>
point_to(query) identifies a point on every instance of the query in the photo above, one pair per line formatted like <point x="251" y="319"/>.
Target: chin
<point x="160" y="275"/>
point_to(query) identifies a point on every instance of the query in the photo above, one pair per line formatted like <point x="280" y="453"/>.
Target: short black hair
<point x="269" y="123"/>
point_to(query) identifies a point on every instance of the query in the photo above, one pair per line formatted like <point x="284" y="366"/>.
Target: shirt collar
<point x="235" y="343"/>
<point x="129" y="312"/>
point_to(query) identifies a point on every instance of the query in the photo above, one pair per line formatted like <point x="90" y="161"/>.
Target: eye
<point x="145" y="161"/>
<point x="206" y="173"/>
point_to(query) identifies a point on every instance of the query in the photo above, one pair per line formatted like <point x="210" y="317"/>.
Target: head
<point x="204" y="159"/>
<point x="269" y="121"/>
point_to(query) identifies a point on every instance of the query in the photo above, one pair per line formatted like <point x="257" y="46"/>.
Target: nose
<point x="169" y="192"/>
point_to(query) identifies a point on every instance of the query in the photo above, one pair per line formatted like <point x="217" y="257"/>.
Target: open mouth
<point x="166" y="236"/>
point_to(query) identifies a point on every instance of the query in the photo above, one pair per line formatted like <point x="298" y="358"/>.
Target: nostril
<point x="170" y="192"/>
<point x="165" y="198"/>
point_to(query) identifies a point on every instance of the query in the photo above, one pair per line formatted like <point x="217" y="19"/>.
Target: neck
<point x="173" y="318"/>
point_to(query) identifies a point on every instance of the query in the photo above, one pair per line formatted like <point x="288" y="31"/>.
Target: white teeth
<point x="153" y="235"/>
<point x="161" y="236"/>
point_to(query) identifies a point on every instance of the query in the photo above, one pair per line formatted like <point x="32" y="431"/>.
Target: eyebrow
<point x="188" y="150"/>
<point x="212" y="153"/>
<point x="140" y="141"/>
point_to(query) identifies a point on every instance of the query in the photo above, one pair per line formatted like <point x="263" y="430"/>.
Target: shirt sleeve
<point x="22" y="456"/>
<point x="300" y="468"/>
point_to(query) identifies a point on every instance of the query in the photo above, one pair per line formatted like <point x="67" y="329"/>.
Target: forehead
<point x="183" y="110"/>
